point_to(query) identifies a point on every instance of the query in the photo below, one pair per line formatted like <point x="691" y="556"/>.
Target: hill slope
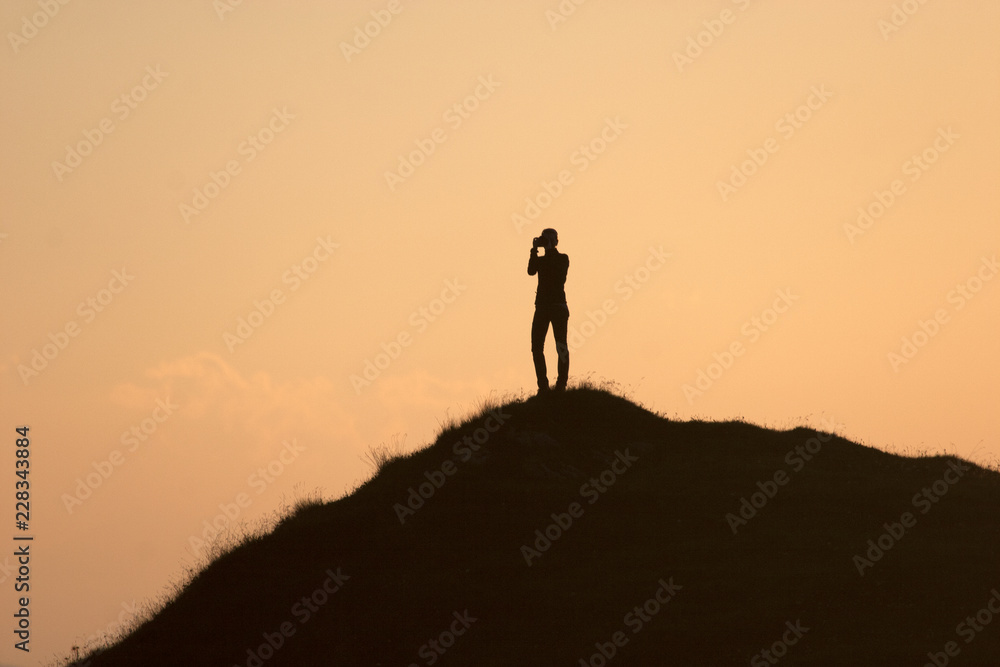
<point x="657" y="543"/>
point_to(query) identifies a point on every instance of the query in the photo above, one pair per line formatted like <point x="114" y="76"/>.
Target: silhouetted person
<point x="550" y="306"/>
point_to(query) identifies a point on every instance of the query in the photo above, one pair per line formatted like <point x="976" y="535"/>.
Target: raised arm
<point x="533" y="262"/>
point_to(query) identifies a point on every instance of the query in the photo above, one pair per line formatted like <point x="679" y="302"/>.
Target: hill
<point x="582" y="529"/>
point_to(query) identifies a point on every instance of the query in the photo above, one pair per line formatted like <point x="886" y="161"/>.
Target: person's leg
<point x="540" y="327"/>
<point x="560" y="323"/>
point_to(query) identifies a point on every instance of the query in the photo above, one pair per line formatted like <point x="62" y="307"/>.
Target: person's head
<point x="552" y="236"/>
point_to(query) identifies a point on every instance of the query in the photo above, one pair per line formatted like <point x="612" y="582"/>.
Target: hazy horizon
<point x="248" y="242"/>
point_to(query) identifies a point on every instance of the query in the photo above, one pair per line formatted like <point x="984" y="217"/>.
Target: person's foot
<point x="543" y="389"/>
<point x="560" y="386"/>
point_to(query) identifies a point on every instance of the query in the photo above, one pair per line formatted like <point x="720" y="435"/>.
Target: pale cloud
<point x="207" y="389"/>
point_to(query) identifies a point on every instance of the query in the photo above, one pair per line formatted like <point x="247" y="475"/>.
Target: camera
<point x="540" y="242"/>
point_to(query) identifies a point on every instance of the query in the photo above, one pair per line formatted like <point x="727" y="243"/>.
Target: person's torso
<point x="552" y="270"/>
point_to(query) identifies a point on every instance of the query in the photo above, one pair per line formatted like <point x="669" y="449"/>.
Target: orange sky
<point x="213" y="218"/>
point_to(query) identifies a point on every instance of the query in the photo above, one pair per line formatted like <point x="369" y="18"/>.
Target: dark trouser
<point x="558" y="315"/>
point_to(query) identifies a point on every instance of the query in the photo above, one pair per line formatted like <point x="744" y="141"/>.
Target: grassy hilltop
<point x="581" y="529"/>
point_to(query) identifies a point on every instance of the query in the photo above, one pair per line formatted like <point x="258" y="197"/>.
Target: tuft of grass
<point x="312" y="499"/>
<point x="380" y="455"/>
<point x="609" y="386"/>
<point x="481" y="408"/>
<point x="301" y="502"/>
